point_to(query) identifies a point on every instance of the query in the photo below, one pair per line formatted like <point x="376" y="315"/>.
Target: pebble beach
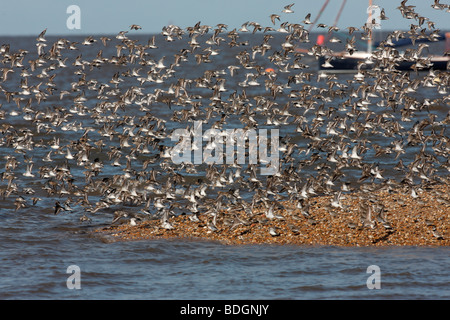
<point x="402" y="219"/>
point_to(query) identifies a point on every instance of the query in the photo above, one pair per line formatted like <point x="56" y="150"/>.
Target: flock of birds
<point x="95" y="146"/>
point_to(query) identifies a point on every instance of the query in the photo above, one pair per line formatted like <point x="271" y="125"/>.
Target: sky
<point x="30" y="17"/>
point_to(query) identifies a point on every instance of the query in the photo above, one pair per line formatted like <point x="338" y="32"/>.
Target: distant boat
<point x="345" y="61"/>
<point x="342" y="62"/>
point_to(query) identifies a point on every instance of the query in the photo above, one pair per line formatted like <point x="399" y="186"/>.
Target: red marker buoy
<point x="320" y="39"/>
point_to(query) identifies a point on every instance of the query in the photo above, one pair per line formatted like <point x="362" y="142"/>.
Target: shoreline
<point x="394" y="219"/>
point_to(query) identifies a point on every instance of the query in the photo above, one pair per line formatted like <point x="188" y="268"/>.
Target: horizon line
<point x="160" y="33"/>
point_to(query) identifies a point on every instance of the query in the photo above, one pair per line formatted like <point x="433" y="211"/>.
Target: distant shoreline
<point x="156" y="33"/>
<point x="422" y="220"/>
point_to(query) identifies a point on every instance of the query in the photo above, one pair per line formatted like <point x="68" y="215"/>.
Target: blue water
<point x="36" y="268"/>
<point x="36" y="252"/>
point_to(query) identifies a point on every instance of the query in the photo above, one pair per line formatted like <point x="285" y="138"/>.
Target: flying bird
<point x="287" y="9"/>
